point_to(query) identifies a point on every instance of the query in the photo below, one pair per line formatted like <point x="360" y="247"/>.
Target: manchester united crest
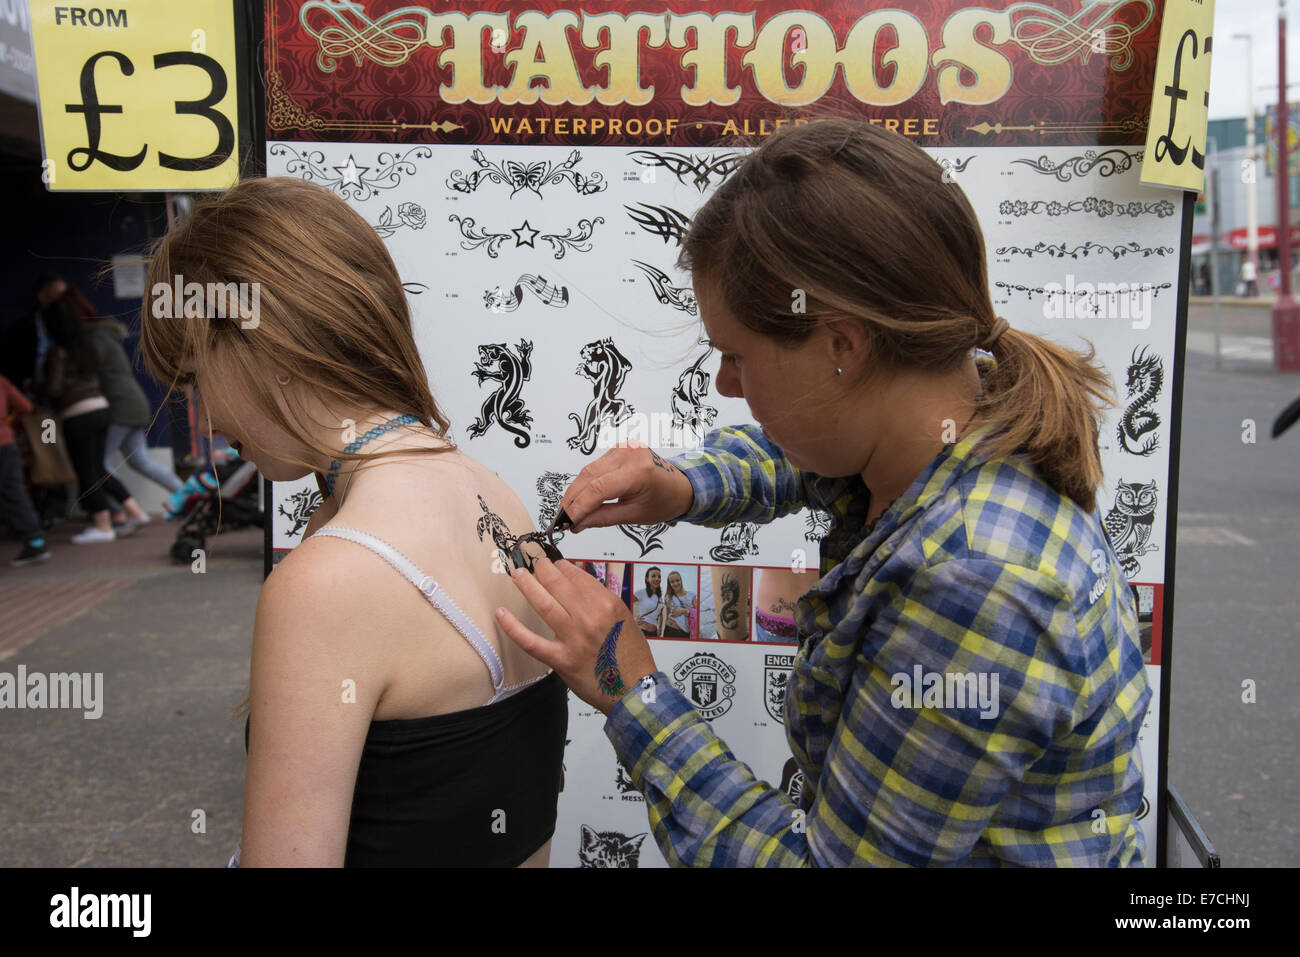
<point x="708" y="681"/>
<point x="776" y="677"/>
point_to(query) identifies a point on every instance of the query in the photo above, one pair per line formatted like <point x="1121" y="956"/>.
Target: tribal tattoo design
<point x="1107" y="163"/>
<point x="818" y="523"/>
<point x="681" y="298"/>
<point x="607" y="368"/>
<point x="492" y="523"/>
<point x="608" y="678"/>
<point x="647" y="537"/>
<point x="667" y="223"/>
<point x="1137" y="426"/>
<point x="530" y="176"/>
<point x="511" y="368"/>
<point x="700" y="169"/>
<point x="500" y="300"/>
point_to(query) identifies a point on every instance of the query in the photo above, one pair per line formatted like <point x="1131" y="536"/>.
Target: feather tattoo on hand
<point x="607" y="673"/>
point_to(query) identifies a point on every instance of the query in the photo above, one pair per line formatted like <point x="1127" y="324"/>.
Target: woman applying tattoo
<point x="964" y="540"/>
<point x="383" y="731"/>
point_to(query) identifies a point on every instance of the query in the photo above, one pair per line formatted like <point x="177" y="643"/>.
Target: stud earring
<point x="839" y="371"/>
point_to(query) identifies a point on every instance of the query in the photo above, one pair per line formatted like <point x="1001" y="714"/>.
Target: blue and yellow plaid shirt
<point x="979" y="570"/>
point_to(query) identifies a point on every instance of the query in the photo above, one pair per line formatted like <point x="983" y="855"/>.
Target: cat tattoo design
<point x="511" y="368"/>
<point x="606" y="367"/>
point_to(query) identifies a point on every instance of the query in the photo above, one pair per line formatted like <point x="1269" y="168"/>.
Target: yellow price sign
<point x="1180" y="99"/>
<point x="137" y="94"/>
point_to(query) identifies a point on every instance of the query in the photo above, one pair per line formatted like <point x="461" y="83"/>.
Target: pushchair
<point x="201" y="502"/>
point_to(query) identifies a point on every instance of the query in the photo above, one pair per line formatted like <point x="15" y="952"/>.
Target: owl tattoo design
<point x="1129" y="522"/>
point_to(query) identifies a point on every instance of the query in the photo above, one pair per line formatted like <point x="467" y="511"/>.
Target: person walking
<point x="128" y="410"/>
<point x="15" y="505"/>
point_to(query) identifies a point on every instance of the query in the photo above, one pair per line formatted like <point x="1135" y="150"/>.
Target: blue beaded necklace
<point x="374" y="433"/>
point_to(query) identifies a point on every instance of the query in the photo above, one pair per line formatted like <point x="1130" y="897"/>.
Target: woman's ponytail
<point x="1048" y="401"/>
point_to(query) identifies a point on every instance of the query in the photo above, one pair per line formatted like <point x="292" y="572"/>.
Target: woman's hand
<point x="649" y="490"/>
<point x="598" y="650"/>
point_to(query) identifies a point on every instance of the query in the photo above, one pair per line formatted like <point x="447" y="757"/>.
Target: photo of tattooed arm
<point x="731" y="601"/>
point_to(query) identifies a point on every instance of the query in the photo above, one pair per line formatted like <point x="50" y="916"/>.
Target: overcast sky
<point x="1228" y="65"/>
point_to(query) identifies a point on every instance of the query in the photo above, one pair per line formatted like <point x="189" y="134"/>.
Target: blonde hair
<point x="906" y="259"/>
<point x="332" y="311"/>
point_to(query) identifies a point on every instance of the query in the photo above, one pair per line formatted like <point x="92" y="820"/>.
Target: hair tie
<point x="1000" y="326"/>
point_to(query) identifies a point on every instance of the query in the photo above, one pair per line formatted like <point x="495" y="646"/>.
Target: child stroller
<point x="202" y="503"/>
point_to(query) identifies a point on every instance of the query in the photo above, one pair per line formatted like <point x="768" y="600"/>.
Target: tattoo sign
<point x="708" y="681"/>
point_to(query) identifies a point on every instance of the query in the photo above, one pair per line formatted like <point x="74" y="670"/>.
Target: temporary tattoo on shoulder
<point x="700" y="169"/>
<point x="737" y="542"/>
<point x="530" y="176"/>
<point x="609" y="680"/>
<point x="607" y="368"/>
<point x="490" y="523"/>
<point x="511" y="368"/>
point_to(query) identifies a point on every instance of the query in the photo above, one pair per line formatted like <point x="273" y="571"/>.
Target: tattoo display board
<point x="533" y="168"/>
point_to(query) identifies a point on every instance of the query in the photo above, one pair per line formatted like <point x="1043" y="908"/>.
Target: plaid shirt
<point x="979" y="569"/>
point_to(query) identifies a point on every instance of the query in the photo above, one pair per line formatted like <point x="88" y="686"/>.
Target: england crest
<point x="708" y="681"/>
<point x="776" y="677"/>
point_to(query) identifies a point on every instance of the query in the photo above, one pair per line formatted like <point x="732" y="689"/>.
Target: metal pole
<point x="1286" y="312"/>
<point x="1252" y="184"/>
<point x="1212" y="182"/>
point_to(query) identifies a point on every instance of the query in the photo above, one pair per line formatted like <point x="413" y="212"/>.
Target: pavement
<point x="158" y="778"/>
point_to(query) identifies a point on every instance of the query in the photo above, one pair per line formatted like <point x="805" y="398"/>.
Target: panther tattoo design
<point x="689" y="410"/>
<point x="606" y="367"/>
<point x="512" y="368"/>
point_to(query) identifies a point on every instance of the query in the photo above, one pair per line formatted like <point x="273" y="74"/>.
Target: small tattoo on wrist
<point x="662" y="463"/>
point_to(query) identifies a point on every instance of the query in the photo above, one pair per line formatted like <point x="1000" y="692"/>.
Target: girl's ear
<point x="846" y="342"/>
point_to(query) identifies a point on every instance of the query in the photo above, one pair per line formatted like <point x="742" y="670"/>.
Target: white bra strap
<point x="429" y="588"/>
